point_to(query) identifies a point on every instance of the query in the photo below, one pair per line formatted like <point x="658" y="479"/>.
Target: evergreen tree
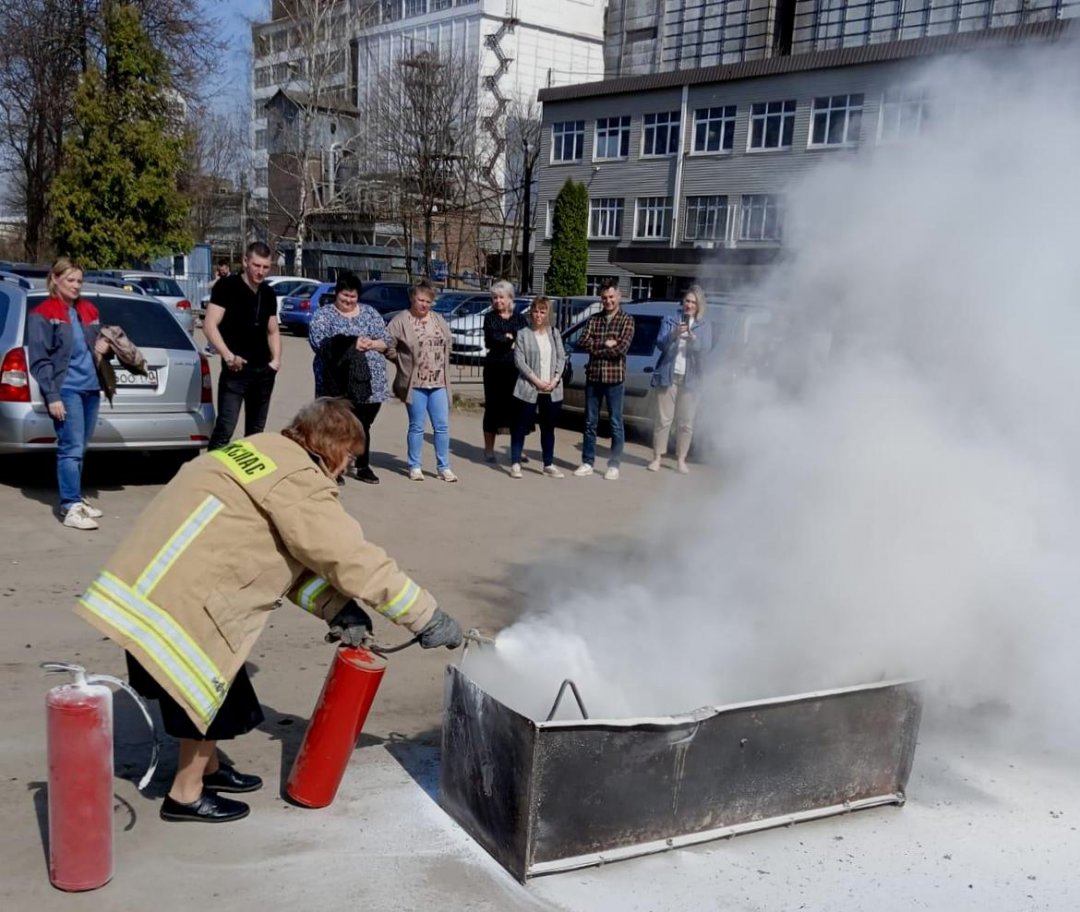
<point x="116" y="201"/>
<point x="569" y="241"/>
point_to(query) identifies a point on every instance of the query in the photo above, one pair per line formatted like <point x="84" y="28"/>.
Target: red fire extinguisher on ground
<point x="80" y="754"/>
<point x="336" y="723"/>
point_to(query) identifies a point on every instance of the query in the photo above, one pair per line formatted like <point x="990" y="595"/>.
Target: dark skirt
<point x="500" y="408"/>
<point x="239" y="714"/>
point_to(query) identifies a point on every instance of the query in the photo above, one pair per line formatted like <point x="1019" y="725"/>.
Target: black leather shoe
<point x="226" y="779"/>
<point x="210" y="808"/>
<point x="366" y="476"/>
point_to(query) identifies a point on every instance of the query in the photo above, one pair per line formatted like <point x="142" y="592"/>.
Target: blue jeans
<point x="595" y="393"/>
<point x="549" y="417"/>
<point x="435" y="404"/>
<point x="72" y="435"/>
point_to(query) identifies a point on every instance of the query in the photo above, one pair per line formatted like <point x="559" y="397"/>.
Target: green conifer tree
<point x="569" y="241"/>
<point x="116" y="200"/>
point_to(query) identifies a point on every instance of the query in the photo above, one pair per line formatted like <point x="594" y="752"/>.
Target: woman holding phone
<point x="684" y="343"/>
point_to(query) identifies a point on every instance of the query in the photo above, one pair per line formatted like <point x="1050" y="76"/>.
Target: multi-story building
<point x="512" y="48"/>
<point x="686" y="169"/>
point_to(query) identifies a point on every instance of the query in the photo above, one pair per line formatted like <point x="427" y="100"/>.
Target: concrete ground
<point x="980" y="831"/>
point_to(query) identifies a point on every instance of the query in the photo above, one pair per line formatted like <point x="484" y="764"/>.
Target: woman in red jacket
<point x="63" y="340"/>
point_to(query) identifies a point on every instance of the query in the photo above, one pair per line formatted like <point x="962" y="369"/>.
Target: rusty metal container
<point x="552" y="796"/>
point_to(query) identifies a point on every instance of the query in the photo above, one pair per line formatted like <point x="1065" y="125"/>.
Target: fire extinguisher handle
<point x="76" y="671"/>
<point x="155" y="747"/>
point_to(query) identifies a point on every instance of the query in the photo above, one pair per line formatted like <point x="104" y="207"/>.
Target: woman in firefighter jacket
<point x="191" y="587"/>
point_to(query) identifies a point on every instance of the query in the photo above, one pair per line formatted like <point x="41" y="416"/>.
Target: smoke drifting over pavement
<point x="909" y="505"/>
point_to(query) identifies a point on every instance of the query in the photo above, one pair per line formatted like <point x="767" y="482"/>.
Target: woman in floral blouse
<point x="348" y="317"/>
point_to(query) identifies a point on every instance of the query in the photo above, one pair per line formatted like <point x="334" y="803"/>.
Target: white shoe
<point x="416" y="474"/>
<point x="684" y="469"/>
<point x="515" y="470"/>
<point x="612" y="474"/>
<point x="447" y="476"/>
<point x="92" y="512"/>
<point x="553" y="472"/>
<point x="654" y="466"/>
<point x="582" y="470"/>
<point x="77" y="518"/>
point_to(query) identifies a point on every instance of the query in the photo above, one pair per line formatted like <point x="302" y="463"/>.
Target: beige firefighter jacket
<point x="191" y="586"/>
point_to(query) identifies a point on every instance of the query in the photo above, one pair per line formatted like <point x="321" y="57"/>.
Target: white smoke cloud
<point x="911" y="506"/>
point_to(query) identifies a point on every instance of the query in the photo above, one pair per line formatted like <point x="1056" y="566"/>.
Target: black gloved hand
<point x="441" y="630"/>
<point x="351" y="626"/>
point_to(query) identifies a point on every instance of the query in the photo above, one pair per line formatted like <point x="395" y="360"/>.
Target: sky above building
<point x="229" y="89"/>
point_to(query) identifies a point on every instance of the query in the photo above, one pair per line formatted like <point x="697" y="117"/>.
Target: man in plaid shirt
<point x="607" y="339"/>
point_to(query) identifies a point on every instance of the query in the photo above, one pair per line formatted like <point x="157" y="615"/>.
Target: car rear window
<point x="158" y="285"/>
<point x="148" y="323"/>
<point x="646" y="329"/>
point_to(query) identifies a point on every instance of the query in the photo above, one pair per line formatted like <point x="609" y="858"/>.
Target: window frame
<point x="787" y="117"/>
<point x="726" y="119"/>
<point x="829" y="110"/>
<point x="666" y="217"/>
<point x="899" y="99"/>
<point x="673" y="124"/>
<point x="596" y="208"/>
<point x="559" y="138"/>
<point x="726" y="205"/>
<point x="772" y="201"/>
<point x="622" y="132"/>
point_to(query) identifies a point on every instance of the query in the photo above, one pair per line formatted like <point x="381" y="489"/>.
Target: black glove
<point x="441" y="630"/>
<point x="351" y="626"/>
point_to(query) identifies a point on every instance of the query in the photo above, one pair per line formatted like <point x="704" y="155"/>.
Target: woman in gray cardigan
<point x="540" y="359"/>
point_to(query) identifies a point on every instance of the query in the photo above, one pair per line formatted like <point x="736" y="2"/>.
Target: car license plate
<point x="128" y="380"/>
<point x="286" y="307"/>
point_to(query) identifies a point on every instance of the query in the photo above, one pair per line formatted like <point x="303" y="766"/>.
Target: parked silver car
<point x="169" y="409"/>
<point x="731" y="321"/>
<point x="165" y="288"/>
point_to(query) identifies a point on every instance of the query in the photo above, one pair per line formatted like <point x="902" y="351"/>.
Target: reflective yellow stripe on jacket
<point x="308" y="595"/>
<point x="177" y="544"/>
<point x="400" y="603"/>
<point x="180" y="657"/>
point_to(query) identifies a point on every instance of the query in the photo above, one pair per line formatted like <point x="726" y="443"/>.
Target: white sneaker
<point x="416" y="474"/>
<point x="76" y="518"/>
<point x="447" y="476"/>
<point x="612" y="474"/>
<point x="654" y="466"/>
<point x="515" y="470"/>
<point x="582" y="470"/>
<point x="92" y="512"/>
<point x="553" y="472"/>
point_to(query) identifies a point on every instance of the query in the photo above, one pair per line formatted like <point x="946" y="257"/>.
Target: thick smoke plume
<point x="896" y="486"/>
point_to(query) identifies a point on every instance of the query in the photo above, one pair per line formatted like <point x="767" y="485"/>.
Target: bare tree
<point x="217" y="161"/>
<point x="522" y="128"/>
<point x="305" y="148"/>
<point x="421" y="141"/>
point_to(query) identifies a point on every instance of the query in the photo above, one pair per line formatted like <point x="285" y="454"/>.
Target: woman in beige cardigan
<point x="420" y="347"/>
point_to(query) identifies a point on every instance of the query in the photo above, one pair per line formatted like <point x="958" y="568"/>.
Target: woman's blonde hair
<point x="541" y="303"/>
<point x="699" y="295"/>
<point x="328" y="428"/>
<point x="62" y="265"/>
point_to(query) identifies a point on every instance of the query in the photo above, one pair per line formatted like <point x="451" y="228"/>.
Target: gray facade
<point x="724" y="226"/>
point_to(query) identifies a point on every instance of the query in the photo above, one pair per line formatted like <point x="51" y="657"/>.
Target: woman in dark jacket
<point x="63" y="341"/>
<point x="501" y="326"/>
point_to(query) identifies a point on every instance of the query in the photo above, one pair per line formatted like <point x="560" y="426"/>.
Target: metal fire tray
<point x="552" y="796"/>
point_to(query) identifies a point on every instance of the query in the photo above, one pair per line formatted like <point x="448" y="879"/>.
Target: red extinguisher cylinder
<point x="336" y="723"/>
<point x="80" y="753"/>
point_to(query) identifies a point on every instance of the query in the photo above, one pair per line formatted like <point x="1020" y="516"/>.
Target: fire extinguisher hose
<point x="83" y="678"/>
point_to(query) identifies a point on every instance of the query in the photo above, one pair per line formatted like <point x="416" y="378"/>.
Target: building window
<point x="714" y="129"/>
<point x="437" y="5"/>
<point x="706" y="218"/>
<point x="605" y="217"/>
<point x="391" y="10"/>
<point x="549" y="212"/>
<point x="260" y="139"/>
<point x="593" y="283"/>
<point x="903" y="114"/>
<point x="836" y="120"/>
<point x="653" y="219"/>
<point x="762" y="217"/>
<point x="567" y="141"/>
<point x="772" y="125"/>
<point x="640" y="288"/>
<point x="415" y="7"/>
<point x="261" y="177"/>
<point x="660" y="134"/>
<point x="262" y="77"/>
<point x="612" y="138"/>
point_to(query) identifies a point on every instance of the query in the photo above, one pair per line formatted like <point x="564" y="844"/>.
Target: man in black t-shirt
<point x="241" y="323"/>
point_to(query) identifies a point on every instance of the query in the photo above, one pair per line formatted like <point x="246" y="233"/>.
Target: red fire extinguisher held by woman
<point x="80" y="751"/>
